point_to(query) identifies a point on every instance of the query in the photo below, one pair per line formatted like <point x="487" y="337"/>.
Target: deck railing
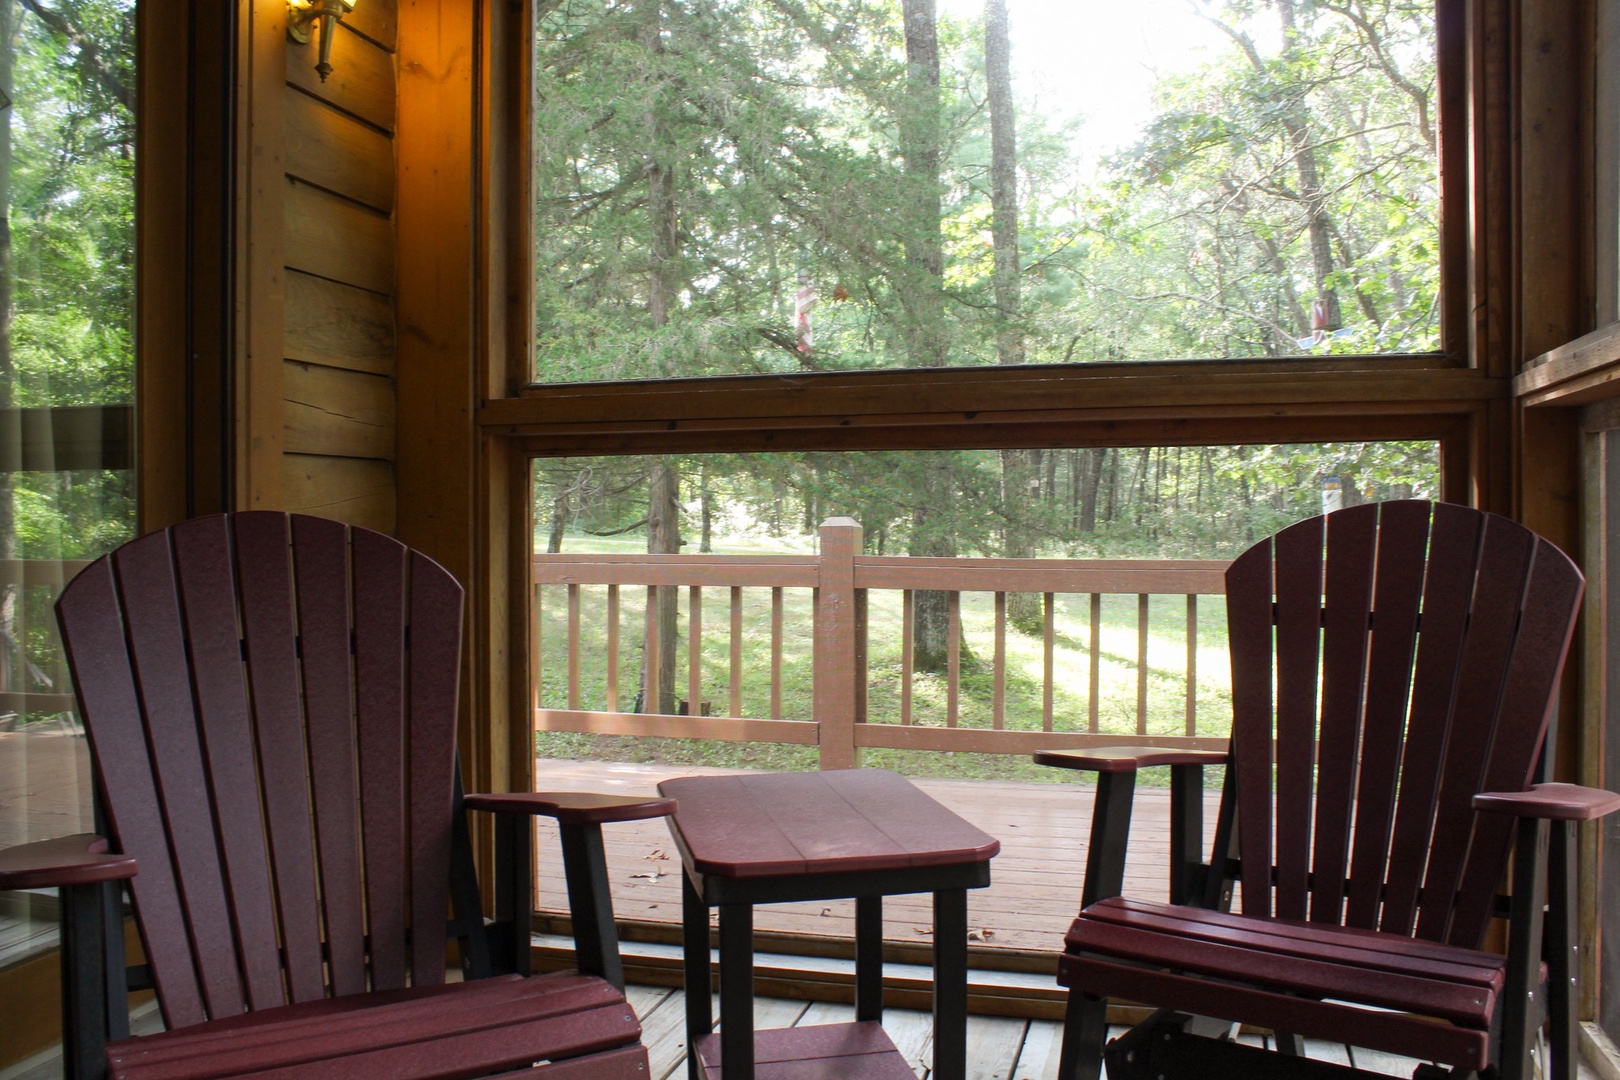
<point x="743" y="689"/>
<point x="33" y="673"/>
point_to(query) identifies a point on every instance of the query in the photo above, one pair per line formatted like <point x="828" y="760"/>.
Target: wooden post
<point x="837" y="632"/>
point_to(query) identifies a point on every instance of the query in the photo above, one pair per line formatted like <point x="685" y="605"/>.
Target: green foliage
<point x="67" y="145"/>
<point x="1298" y="164"/>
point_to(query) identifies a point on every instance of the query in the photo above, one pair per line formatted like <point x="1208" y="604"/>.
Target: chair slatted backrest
<point x="271" y="702"/>
<point x="1389" y="661"/>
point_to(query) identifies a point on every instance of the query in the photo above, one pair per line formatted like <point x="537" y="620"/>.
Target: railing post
<point x="836" y="640"/>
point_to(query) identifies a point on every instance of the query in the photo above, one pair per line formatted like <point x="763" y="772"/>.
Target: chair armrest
<point x="80" y="859"/>
<point x="1554" y="802"/>
<point x="580" y="816"/>
<point x="573" y="808"/>
<point x="1112" y="759"/>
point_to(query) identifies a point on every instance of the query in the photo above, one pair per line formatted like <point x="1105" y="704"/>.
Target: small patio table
<point x="766" y="838"/>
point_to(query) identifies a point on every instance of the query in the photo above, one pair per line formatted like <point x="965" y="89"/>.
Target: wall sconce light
<point x="302" y="14"/>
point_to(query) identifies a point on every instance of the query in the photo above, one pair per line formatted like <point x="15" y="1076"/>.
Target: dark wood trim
<point x="185" y="224"/>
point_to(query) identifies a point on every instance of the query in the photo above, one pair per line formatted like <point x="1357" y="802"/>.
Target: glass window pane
<point x="66" y="385"/>
<point x="750" y="186"/>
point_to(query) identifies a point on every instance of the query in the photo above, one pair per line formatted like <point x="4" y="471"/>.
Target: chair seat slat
<point x="1396" y="1034"/>
<point x="1296" y="972"/>
<point x="1367" y="950"/>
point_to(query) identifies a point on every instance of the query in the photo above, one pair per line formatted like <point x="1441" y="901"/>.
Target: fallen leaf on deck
<point x="981" y="935"/>
<point x="923" y="929"/>
<point x="653" y="876"/>
<point x="656" y="853"/>
<point x="825" y="912"/>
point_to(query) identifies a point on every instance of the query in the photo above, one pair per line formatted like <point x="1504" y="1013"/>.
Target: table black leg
<point x="737" y="991"/>
<point x="695" y="938"/>
<point x="950" y="985"/>
<point x="869" y="958"/>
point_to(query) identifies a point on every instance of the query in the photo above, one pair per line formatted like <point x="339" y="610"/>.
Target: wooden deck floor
<point x="1035" y="881"/>
<point x="998" y="1048"/>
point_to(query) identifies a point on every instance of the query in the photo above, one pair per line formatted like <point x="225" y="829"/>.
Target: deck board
<point x="1035" y="881"/>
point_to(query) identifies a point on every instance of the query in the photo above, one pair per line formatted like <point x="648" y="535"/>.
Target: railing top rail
<point x="1169" y="577"/>
<point x="40" y="571"/>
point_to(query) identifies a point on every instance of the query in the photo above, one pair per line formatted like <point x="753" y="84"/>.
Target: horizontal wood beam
<point x="731" y="729"/>
<point x="1172" y="403"/>
<point x="1583" y="371"/>
<point x="991" y="741"/>
<point x="67" y="438"/>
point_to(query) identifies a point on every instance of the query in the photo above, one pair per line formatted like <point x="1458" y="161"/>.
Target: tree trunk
<point x="1003" y="183"/>
<point x="922" y="297"/>
<point x="561" y="509"/>
<point x="706" y="502"/>
<point x="920" y="140"/>
<point x="663" y="481"/>
<point x="663" y="538"/>
<point x="1090" y="481"/>
<point x="9" y="597"/>
<point x="1312" y="197"/>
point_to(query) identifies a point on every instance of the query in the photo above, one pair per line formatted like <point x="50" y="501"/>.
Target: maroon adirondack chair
<point x="271" y="705"/>
<point x="1394" y="668"/>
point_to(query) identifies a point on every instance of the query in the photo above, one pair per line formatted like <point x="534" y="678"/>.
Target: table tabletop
<point x="802" y="824"/>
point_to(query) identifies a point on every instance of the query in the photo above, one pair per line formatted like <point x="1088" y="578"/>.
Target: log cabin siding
<point x="339" y="349"/>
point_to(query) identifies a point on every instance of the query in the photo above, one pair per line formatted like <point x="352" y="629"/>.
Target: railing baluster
<point x="534" y="651"/>
<point x="694" y="651"/>
<point x="1141" y="662"/>
<point x="612" y="648"/>
<point x="998" y="706"/>
<point x="908" y="614"/>
<point x="1095" y="675"/>
<point x="1048" y="641"/>
<point x="736" y="651"/>
<point x="776" y="653"/>
<point x="953" y="652"/>
<point x="649" y="655"/>
<point x="1192" y="664"/>
<point x="573" y="645"/>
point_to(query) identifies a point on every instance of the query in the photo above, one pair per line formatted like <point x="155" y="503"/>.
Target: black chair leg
<point x="596" y="938"/>
<point x="1085" y="1026"/>
<point x="1561" y="950"/>
<point x="84" y="988"/>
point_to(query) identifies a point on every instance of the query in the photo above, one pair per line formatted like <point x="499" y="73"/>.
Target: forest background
<point x="708" y="172"/>
<point x="789" y="187"/>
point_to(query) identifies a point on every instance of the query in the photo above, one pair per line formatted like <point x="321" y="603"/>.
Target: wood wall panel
<point x="339" y="404"/>
<point x="333" y="150"/>
<point x="338" y="413"/>
<point x="338" y="325"/>
<point x="334" y="238"/>
<point x="362" y="79"/>
<point x="377" y="20"/>
<point x="358" y="491"/>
